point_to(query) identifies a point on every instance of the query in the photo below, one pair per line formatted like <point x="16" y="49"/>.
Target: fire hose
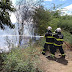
<point x="67" y="45"/>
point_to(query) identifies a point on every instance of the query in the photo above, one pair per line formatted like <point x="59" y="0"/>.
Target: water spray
<point x="21" y="35"/>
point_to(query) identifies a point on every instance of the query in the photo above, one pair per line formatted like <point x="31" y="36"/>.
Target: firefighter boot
<point x="43" y="53"/>
<point x="63" y="56"/>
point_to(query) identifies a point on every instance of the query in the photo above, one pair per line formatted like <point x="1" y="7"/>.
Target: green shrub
<point x="66" y="25"/>
<point x="67" y="37"/>
<point x="40" y="42"/>
<point x="21" y="60"/>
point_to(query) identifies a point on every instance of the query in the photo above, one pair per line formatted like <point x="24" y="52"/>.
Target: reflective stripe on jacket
<point x="58" y="40"/>
<point x="49" y="37"/>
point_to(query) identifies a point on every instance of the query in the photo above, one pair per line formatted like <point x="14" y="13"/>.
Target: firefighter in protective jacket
<point x="58" y="41"/>
<point x="49" y="41"/>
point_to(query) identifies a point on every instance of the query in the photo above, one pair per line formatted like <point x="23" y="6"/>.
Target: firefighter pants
<point x="49" y="47"/>
<point x="60" y="49"/>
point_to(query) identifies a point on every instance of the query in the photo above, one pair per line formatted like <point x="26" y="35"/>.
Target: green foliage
<point x="1" y="60"/>
<point x="6" y="5"/>
<point x="5" y="8"/>
<point x="66" y="25"/>
<point x="41" y="42"/>
<point x="41" y="20"/>
<point x="67" y="37"/>
<point x="54" y="23"/>
<point x="21" y="60"/>
<point x="44" y="18"/>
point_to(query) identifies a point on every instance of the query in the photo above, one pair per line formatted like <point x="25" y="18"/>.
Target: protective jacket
<point x="49" y="37"/>
<point x="58" y="39"/>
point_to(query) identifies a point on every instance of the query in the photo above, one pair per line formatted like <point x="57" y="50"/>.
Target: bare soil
<point x="57" y="65"/>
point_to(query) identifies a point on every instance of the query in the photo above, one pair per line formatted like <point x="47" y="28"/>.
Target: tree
<point x="46" y="17"/>
<point x="55" y="10"/>
<point x="65" y="23"/>
<point x="6" y="7"/>
<point x="41" y="20"/>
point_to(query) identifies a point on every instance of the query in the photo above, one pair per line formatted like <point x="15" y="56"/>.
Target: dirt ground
<point x="57" y="65"/>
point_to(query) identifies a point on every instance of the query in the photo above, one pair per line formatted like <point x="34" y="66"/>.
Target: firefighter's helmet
<point x="58" y="29"/>
<point x="49" y="27"/>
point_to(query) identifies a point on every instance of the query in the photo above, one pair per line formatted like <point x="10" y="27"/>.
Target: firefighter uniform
<point x="58" y="41"/>
<point x="49" y="42"/>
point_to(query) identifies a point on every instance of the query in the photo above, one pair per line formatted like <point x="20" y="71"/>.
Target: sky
<point x="66" y="4"/>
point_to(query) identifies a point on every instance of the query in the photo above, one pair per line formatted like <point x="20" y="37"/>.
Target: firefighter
<point x="58" y="41"/>
<point x="49" y="42"/>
